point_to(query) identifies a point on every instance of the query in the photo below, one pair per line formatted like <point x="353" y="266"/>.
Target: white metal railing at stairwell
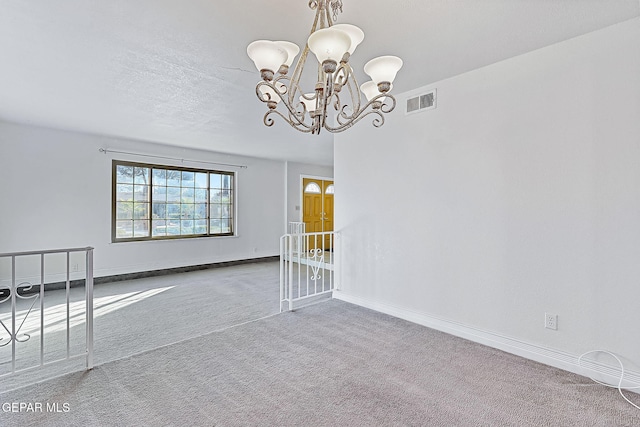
<point x="28" y="310"/>
<point x="307" y="268"/>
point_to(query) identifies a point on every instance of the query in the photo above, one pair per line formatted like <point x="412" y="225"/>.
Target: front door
<point x="317" y="209"/>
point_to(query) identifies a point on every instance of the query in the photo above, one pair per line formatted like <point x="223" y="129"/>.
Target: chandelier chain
<point x="336" y="7"/>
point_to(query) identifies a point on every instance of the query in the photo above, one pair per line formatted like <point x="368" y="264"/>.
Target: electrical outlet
<point x="551" y="321"/>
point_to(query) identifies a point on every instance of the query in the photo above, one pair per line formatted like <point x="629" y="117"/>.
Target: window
<point x="153" y="202"/>
<point x="312" y="188"/>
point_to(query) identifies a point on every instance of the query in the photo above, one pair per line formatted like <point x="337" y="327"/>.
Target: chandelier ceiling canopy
<point x="336" y="85"/>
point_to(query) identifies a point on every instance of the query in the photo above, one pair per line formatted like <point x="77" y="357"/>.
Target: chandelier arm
<point x="377" y="122"/>
<point x="342" y="114"/>
<point x="292" y="103"/>
<point x="360" y="114"/>
<point x="281" y="77"/>
<point x="327" y="95"/>
<point x="302" y="127"/>
<point x="297" y="73"/>
<point x="318" y="6"/>
<point x="321" y="112"/>
<point x="296" y="112"/>
<point x="266" y="97"/>
<point x="354" y="92"/>
<point x="294" y="115"/>
<point x="342" y="117"/>
<point x="268" y="121"/>
<point x="346" y="78"/>
<point x="342" y="73"/>
<point x="337" y="105"/>
<point x="342" y="77"/>
<point x="328" y="18"/>
<point x="390" y="107"/>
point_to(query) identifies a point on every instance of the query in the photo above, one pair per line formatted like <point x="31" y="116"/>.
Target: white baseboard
<point x="548" y="356"/>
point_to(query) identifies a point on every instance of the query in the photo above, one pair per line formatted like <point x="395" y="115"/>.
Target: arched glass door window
<point x="312" y="188"/>
<point x="329" y="189"/>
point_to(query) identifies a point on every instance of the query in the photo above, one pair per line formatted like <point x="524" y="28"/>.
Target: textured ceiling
<point x="176" y="71"/>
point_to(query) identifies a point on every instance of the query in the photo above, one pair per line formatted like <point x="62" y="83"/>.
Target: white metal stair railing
<point x="26" y="313"/>
<point x="297" y="227"/>
<point x="307" y="268"/>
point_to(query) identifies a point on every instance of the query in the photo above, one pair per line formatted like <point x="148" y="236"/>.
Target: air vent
<point x="426" y="101"/>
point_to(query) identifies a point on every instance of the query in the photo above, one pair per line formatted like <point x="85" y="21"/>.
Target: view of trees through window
<point x="155" y="202"/>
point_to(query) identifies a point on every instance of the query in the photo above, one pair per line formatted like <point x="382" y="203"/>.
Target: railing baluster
<point x="290" y="277"/>
<point x="324" y="255"/>
<point x="67" y="290"/>
<point x="310" y="259"/>
<point x="13" y="314"/>
<point x="41" y="309"/>
<point x="281" y="262"/>
<point x="300" y="268"/>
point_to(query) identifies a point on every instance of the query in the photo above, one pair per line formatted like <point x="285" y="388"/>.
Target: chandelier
<point x="336" y="86"/>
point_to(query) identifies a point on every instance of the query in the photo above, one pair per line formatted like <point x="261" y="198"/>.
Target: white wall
<point x="294" y="187"/>
<point x="518" y="195"/>
<point x="56" y="192"/>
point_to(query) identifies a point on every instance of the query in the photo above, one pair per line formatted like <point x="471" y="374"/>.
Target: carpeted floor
<point x="138" y="315"/>
<point x="330" y="364"/>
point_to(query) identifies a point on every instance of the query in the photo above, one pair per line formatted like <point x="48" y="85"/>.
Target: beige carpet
<point x="331" y="364"/>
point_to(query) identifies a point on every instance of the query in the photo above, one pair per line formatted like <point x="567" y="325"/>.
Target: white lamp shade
<point x="267" y="55"/>
<point x="355" y="33"/>
<point x="383" y="68"/>
<point x="329" y="43"/>
<point x="310" y="104"/>
<point x="370" y="90"/>
<point x="292" y="50"/>
<point x="273" y="95"/>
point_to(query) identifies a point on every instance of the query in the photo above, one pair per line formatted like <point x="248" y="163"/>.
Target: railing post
<point x="335" y="261"/>
<point x="282" y="269"/>
<point x="289" y="284"/>
<point x="89" y="307"/>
